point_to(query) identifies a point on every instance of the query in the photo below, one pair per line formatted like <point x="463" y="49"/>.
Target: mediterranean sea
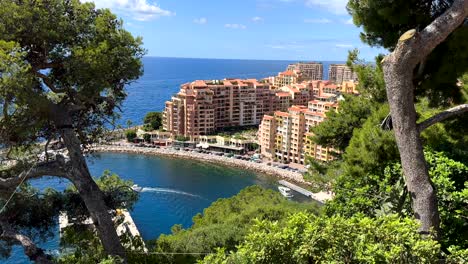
<point x="175" y="189"/>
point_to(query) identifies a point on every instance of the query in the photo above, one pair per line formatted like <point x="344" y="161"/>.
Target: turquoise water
<point x="175" y="190"/>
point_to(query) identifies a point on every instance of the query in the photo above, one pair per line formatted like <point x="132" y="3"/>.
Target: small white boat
<point x="285" y="191"/>
<point x="137" y="188"/>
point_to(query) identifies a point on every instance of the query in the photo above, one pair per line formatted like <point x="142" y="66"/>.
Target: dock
<point x="320" y="197"/>
<point x="127" y="226"/>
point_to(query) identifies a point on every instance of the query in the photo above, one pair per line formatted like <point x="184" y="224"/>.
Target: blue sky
<point x="243" y="29"/>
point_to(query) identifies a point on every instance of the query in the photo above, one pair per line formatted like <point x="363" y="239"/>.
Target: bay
<point x="174" y="190"/>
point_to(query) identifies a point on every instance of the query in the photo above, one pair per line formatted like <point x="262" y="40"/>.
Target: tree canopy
<point x="63" y="70"/>
<point x="227" y="222"/>
<point x="152" y="121"/>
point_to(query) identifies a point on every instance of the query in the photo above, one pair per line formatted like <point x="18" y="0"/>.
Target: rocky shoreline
<point x="242" y="164"/>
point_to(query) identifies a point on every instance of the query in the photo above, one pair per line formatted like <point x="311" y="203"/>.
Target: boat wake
<point x="165" y="190"/>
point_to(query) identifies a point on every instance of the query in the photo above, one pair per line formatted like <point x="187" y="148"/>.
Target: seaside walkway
<point x="319" y="197"/>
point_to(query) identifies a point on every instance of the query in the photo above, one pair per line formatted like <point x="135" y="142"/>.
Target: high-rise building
<point x="285" y="136"/>
<point x="203" y="107"/>
<point x="339" y="73"/>
<point x="308" y="71"/>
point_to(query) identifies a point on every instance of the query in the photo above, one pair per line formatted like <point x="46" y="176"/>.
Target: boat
<point x="137" y="188"/>
<point x="285" y="191"/>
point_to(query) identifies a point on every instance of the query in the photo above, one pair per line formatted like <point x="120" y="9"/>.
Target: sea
<point x="174" y="190"/>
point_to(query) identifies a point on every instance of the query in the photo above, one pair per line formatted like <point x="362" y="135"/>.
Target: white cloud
<point x="344" y="46"/>
<point x="235" y="26"/>
<point x="257" y="19"/>
<point x="317" y="20"/>
<point x="349" y="21"/>
<point x="334" y="6"/>
<point x="201" y="20"/>
<point x="138" y="9"/>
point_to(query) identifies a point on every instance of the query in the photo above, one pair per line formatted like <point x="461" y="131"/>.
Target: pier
<point x="127" y="226"/>
<point x="320" y="197"/>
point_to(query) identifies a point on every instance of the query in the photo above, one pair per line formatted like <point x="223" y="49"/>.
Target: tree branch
<point x="413" y="47"/>
<point x="50" y="168"/>
<point x="48" y="82"/>
<point x="48" y="65"/>
<point x="30" y="249"/>
<point x="457" y="110"/>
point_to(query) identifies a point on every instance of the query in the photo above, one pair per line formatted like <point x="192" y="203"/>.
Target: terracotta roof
<point x="279" y="113"/>
<point x="297" y="108"/>
<point x="283" y="94"/>
<point x="308" y="112"/>
<point x="287" y="73"/>
<point x="199" y="83"/>
<point x="332" y="86"/>
<point x="268" y="117"/>
<point x="294" y="90"/>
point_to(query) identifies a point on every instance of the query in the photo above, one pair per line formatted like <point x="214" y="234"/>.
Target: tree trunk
<point x="92" y="195"/>
<point x="412" y="48"/>
<point x="399" y="85"/>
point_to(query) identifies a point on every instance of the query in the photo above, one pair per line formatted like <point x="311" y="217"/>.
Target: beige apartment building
<point x="285" y="78"/>
<point x="308" y="71"/>
<point x="202" y="107"/>
<point x="339" y="73"/>
<point x="285" y="136"/>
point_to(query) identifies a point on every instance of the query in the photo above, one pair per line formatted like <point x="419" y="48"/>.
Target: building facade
<point x="203" y="107"/>
<point x="308" y="71"/>
<point x="339" y="73"/>
<point x="285" y="78"/>
<point x="285" y="136"/>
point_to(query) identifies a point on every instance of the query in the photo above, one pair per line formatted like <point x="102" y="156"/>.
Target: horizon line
<point x="198" y="58"/>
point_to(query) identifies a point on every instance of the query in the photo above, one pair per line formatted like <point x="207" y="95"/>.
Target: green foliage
<point x="152" y="121"/>
<point x="358" y="186"/>
<point x="309" y="239"/>
<point x="380" y="194"/>
<point x="371" y="81"/>
<point x="62" y="60"/>
<point x="371" y="147"/>
<point x="182" y="138"/>
<point x="130" y="135"/>
<point x="383" y="22"/>
<point x="227" y="221"/>
<point x="147" y="138"/>
<point x="338" y="127"/>
<point x="35" y="214"/>
<point x="450" y="136"/>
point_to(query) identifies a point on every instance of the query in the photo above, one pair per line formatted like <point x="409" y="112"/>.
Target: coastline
<point x="231" y="162"/>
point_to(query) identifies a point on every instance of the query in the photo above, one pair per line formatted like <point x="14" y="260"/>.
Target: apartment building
<point x="308" y="71"/>
<point x="339" y="73"/>
<point x="203" y="107"/>
<point x="285" y="136"/>
<point x="285" y="78"/>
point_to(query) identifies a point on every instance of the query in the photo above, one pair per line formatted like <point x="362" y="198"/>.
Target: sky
<point x="243" y="29"/>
